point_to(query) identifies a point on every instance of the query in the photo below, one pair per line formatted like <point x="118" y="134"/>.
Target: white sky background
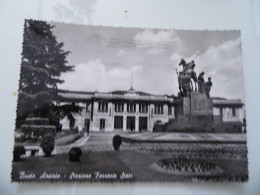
<point x="104" y="58"/>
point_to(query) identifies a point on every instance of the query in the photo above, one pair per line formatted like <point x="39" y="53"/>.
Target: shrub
<point x="18" y="151"/>
<point x="22" y="138"/>
<point x="37" y="121"/>
<point x="117" y="140"/>
<point x="75" y="154"/>
<point x="47" y="144"/>
<point x="37" y="130"/>
<point x="19" y="137"/>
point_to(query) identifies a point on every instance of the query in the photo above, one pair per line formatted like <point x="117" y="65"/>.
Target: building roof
<point x="226" y="102"/>
<point x="132" y="95"/>
<point x="131" y="90"/>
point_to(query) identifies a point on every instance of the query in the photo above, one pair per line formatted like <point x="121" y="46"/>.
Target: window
<point x="169" y="110"/>
<point x="102" y="123"/>
<point x="118" y="122"/>
<point x="130" y="107"/>
<point x="221" y="111"/>
<point x="233" y="111"/>
<point x="102" y="106"/>
<point x="87" y="123"/>
<point x="72" y="123"/>
<point x="158" y="109"/>
<point x="87" y="107"/>
<point x="119" y="107"/>
<point x="143" y="108"/>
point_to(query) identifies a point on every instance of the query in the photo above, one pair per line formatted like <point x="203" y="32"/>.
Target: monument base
<point x="195" y="110"/>
<point x="195" y="114"/>
<point x="200" y="104"/>
<point x="194" y="119"/>
<point x="214" y="128"/>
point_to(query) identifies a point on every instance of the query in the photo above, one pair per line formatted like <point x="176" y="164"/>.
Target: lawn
<point x="65" y="140"/>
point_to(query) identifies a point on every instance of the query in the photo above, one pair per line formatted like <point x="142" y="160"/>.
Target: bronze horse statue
<point x="185" y="84"/>
<point x="185" y="77"/>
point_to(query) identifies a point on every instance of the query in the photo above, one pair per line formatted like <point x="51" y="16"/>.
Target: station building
<point x="133" y="110"/>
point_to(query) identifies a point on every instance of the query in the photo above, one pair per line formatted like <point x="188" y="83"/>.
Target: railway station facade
<point x="134" y="110"/>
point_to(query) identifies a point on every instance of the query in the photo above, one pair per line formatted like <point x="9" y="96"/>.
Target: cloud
<point x="151" y="37"/>
<point x="156" y="73"/>
<point x="120" y="73"/>
<point x="94" y="76"/>
<point x="156" y="42"/>
<point x="136" y="69"/>
<point x="176" y="58"/>
<point x="85" y="76"/>
<point x="121" y="53"/>
<point x="223" y="62"/>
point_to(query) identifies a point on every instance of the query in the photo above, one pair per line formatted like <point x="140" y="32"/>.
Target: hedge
<point x="37" y="121"/>
<point x="37" y="130"/>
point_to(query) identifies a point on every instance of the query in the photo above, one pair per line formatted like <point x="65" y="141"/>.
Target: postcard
<point x="116" y="104"/>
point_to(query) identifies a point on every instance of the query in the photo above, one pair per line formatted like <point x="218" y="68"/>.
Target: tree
<point x="43" y="62"/>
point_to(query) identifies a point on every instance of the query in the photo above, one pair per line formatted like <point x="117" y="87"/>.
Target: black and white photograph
<point x="116" y="104"/>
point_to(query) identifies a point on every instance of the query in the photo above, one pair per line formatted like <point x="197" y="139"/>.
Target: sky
<point x="106" y="57"/>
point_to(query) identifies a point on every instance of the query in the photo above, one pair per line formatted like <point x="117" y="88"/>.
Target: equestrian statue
<point x="187" y="75"/>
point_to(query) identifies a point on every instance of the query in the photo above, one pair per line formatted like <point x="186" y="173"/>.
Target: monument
<point x="193" y="106"/>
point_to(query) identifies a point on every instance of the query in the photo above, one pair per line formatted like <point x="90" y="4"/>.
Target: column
<point x="173" y="111"/>
<point x="137" y="118"/>
<point x="111" y="115"/>
<point x="95" y="122"/>
<point x="124" y="117"/>
<point x="151" y="115"/>
<point x="165" y="109"/>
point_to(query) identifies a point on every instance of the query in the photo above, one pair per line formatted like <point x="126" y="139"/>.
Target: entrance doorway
<point x="130" y="123"/>
<point x="142" y="123"/>
<point x="72" y="123"/>
<point x="102" y="124"/>
<point x="118" y="122"/>
<point x="87" y="124"/>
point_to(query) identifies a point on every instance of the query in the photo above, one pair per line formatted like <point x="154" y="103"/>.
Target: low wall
<point x="212" y="128"/>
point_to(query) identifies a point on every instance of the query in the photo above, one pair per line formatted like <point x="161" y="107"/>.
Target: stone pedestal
<point x="200" y="105"/>
<point x="195" y="114"/>
<point x="195" y="110"/>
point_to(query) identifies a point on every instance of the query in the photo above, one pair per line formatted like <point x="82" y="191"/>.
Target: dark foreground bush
<point x="47" y="144"/>
<point x="18" y="151"/>
<point x="117" y="140"/>
<point x="75" y="154"/>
